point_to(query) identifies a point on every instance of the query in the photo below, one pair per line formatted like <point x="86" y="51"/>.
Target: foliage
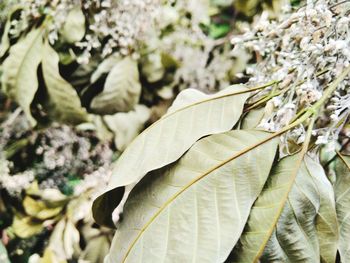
<point x="272" y="185"/>
<point x="79" y="75"/>
<point x="256" y="172"/>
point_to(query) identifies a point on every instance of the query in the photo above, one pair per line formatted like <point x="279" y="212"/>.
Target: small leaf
<point x="152" y="67"/>
<point x="252" y="119"/>
<point x="24" y="226"/>
<point x="127" y="125"/>
<point x="104" y="67"/>
<point x="19" y="78"/>
<point x="38" y="209"/>
<point x="218" y="30"/>
<point x="96" y="250"/>
<point x="74" y="27"/>
<point x="121" y="91"/>
<point x="63" y="102"/>
<point x="5" y="41"/>
<point x="155" y="147"/>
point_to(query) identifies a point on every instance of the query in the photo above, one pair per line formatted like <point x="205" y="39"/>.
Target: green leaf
<point x="218" y="30"/>
<point x="63" y="102"/>
<point x="342" y="196"/>
<point x="155" y="147"/>
<point x="127" y="125"/>
<point x="152" y="67"/>
<point x="210" y="190"/>
<point x="5" y="41"/>
<point x="38" y="209"/>
<point x="96" y="249"/>
<point x="247" y="7"/>
<point x="104" y="67"/>
<point x="19" y="78"/>
<point x="73" y="29"/>
<point x="121" y="91"/>
<point x="252" y="119"/>
<point x="306" y="226"/>
<point x="25" y="226"/>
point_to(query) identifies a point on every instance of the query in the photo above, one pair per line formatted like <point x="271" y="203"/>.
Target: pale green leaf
<point x="306" y="230"/>
<point x="127" y="125"/>
<point x="342" y="194"/>
<point x="71" y="239"/>
<point x="5" y="41"/>
<point x="196" y="208"/>
<point x="19" y="78"/>
<point x="104" y="67"/>
<point x="252" y="119"/>
<point x="152" y="67"/>
<point x="121" y="91"/>
<point x="96" y="249"/>
<point x="38" y="209"/>
<point x="73" y="29"/>
<point x="24" y="226"/>
<point x="63" y="103"/>
<point x="155" y="147"/>
<point x="247" y="7"/>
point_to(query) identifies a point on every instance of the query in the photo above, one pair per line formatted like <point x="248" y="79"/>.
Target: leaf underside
<point x="167" y="140"/>
<point x="210" y="190"/>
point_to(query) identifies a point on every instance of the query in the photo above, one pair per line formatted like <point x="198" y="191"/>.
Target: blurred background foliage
<point x="79" y="81"/>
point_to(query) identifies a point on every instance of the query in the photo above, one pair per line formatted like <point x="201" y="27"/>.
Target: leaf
<point x="152" y="67"/>
<point x="49" y="257"/>
<point x="121" y="91"/>
<point x="5" y="41"/>
<point x="210" y="190"/>
<point x="19" y="78"/>
<point x="127" y="125"/>
<point x="63" y="101"/>
<point x="73" y="29"/>
<point x="247" y="7"/>
<point x="155" y="147"/>
<point x="252" y="119"/>
<point x="24" y="226"/>
<point x="71" y="238"/>
<point x="104" y="67"/>
<point x="96" y="249"/>
<point x="295" y="236"/>
<point x="342" y="196"/>
<point x="38" y="209"/>
<point x="3" y="254"/>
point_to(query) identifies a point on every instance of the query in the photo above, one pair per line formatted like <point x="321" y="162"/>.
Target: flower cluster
<point x="303" y="53"/>
<point x="14" y="184"/>
<point x="119" y="25"/>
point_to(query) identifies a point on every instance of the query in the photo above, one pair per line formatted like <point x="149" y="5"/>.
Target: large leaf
<point x="121" y="91"/>
<point x="342" y="193"/>
<point x="19" y="79"/>
<point x="63" y="102"/>
<point x="196" y="209"/>
<point x="155" y="147"/>
<point x="307" y="225"/>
